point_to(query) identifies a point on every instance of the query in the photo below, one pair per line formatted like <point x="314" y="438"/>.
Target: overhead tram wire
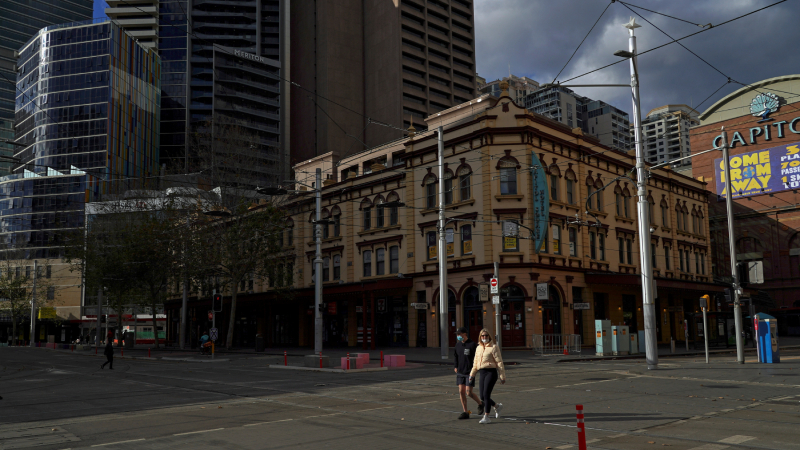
<point x="679" y="39"/>
<point x="582" y="41"/>
<point x="665" y="15"/>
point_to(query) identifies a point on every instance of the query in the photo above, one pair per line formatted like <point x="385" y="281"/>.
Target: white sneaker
<point x="485" y="419"/>
<point x="497" y="408"/>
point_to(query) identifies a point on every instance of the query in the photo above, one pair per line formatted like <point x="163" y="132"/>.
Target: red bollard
<point x="581" y="429"/>
<point x="148" y="352"/>
<point x="123" y="352"/>
<point x="95" y="347"/>
<point x="565" y="350"/>
<point x="285" y="359"/>
<point x="72" y="347"/>
<point x="348" y="360"/>
<point x="320" y="360"/>
<point x="381" y="358"/>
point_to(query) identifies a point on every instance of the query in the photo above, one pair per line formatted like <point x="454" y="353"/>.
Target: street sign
<point x="493" y="284"/>
<point x="484" y="291"/>
<point x="419" y="305"/>
<point x="213" y="334"/>
<point x="580" y="306"/>
<point x="495" y="299"/>
<point x="542" y="291"/>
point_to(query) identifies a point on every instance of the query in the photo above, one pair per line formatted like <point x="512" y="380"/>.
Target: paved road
<point x="60" y="400"/>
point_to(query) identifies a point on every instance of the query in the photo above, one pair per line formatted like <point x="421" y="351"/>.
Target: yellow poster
<point x="509" y="243"/>
<point x="432" y="252"/>
<point x="451" y="249"/>
<point x="555" y="247"/>
<point x="467" y="246"/>
<point x="47" y="313"/>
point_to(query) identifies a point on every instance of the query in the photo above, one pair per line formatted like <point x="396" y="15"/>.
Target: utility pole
<point x="318" y="269"/>
<point x="642" y="207"/>
<point x="99" y="309"/>
<point x="185" y="296"/>
<point x="737" y="306"/>
<point x="443" y="291"/>
<point x="33" y="306"/>
<point x="498" y="331"/>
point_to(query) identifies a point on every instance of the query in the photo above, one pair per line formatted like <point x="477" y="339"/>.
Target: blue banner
<point x="541" y="202"/>
<point x="761" y="172"/>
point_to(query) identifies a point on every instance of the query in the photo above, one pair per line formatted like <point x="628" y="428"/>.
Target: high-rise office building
<point x="392" y="61"/>
<point x="595" y="117"/>
<point x="87" y="117"/>
<point x="21" y="20"/>
<point x="518" y="87"/>
<point x="222" y="63"/>
<point x="665" y="133"/>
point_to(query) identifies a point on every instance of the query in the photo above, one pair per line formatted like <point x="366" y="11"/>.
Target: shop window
<point x="367" y="256"/>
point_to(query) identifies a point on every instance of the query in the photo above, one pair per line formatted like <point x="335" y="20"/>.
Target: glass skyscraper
<point x="19" y="20"/>
<point x="87" y="113"/>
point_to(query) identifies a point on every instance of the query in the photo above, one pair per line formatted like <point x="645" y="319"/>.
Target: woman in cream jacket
<point x="489" y="362"/>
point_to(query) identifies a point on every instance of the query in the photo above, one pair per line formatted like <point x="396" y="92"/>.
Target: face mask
<point x="485" y="340"/>
<point x="460" y="338"/>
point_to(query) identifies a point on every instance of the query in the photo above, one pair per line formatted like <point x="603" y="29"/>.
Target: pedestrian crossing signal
<point x="216" y="303"/>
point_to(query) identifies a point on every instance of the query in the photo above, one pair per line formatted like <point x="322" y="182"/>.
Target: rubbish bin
<point x="259" y="343"/>
<point x="766" y="328"/>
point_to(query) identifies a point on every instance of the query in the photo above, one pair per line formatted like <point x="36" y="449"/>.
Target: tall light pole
<point x="33" y="305"/>
<point x="737" y="307"/>
<point x="642" y="206"/>
<point x="318" y="267"/>
<point x="443" y="291"/>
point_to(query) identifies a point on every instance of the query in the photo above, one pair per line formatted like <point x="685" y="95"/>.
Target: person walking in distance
<point x="464" y="354"/>
<point x="489" y="362"/>
<point x="109" y="352"/>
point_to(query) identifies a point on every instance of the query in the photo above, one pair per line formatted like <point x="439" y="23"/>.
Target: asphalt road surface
<point x="60" y="400"/>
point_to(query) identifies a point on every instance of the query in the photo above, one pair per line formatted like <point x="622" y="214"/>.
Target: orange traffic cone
<point x="565" y="350"/>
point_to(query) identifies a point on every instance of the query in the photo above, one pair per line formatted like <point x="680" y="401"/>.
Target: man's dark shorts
<point x="464" y="379"/>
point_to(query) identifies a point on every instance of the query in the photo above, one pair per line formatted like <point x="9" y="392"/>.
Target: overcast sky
<point x="537" y="38"/>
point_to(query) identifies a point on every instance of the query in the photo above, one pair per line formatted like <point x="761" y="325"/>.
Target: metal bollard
<point x="381" y="358"/>
<point x="348" y="360"/>
<point x="672" y="344"/>
<point x="581" y="428"/>
<point x="320" y="360"/>
<point x="285" y="359"/>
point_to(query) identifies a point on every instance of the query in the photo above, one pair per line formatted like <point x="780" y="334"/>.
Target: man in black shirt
<point x="464" y="355"/>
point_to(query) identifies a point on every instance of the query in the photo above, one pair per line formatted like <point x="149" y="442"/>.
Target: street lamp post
<point x="737" y="306"/>
<point x="443" y="291"/>
<point x="646" y="261"/>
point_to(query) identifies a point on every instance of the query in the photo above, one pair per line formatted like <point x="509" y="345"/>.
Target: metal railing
<point x="554" y="344"/>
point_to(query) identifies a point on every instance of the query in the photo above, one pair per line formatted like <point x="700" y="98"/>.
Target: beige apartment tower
<point x="394" y="61"/>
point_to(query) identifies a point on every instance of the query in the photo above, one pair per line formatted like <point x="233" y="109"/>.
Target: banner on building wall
<point x="541" y="202"/>
<point x="761" y="172"/>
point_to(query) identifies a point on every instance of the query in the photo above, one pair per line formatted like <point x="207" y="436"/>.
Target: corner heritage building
<point x="763" y="127"/>
<point x="380" y="265"/>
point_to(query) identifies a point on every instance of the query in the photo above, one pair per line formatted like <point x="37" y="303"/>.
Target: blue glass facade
<point x="87" y="111"/>
<point x="22" y="19"/>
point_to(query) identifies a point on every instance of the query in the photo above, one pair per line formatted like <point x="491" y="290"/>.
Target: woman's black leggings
<point x="488" y="380"/>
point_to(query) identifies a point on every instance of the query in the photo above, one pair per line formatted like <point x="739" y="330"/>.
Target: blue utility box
<point x="620" y="340"/>
<point x="602" y="330"/>
<point x="767" y="338"/>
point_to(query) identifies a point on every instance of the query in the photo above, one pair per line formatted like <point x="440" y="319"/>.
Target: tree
<point x="16" y="289"/>
<point x="242" y="236"/>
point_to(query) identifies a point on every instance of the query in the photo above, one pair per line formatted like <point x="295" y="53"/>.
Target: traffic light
<point x="728" y="295"/>
<point x="216" y="303"/>
<point x="321" y="307"/>
<point x="705" y="301"/>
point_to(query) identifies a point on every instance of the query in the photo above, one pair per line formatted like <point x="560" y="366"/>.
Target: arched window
<point x="448" y="187"/>
<point x="679" y="216"/>
<point x="367" y="259"/>
<point x="429" y="182"/>
<point x="618" y="200"/>
<point x="598" y="197"/>
<point x="325" y="228"/>
<point x="464" y="173"/>
<point x="508" y="165"/>
<point x="379" y="211"/>
<point x="651" y="209"/>
<point x="336" y="213"/>
<point x="366" y="211"/>
<point x="572" y="189"/>
<point x="393" y="213"/>
<point x="326" y="264"/>
<point x="626" y="201"/>
<point x="289" y="232"/>
<point x="380" y="261"/>
<point x="472" y="298"/>
<point x="695" y="222"/>
<point x="700" y="221"/>
<point x="555" y="174"/>
<point x="664" y="214"/>
<point x="337" y="266"/>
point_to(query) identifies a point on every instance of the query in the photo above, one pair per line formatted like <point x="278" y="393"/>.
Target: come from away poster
<point x="541" y="201"/>
<point x="761" y="172"/>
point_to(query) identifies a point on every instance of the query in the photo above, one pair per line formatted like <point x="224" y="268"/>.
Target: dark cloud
<point x="537" y="37"/>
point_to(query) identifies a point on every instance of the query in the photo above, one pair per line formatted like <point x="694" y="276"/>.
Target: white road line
<point x="738" y="439"/>
<point x="423" y="403"/>
<point x="119" y="442"/>
<point x="531" y="390"/>
<point x="264" y="423"/>
<point x="710" y="447"/>
<point x="334" y="414"/>
<point x="593" y="441"/>
<point x="371" y="409"/>
<point x="198" y="432"/>
<point x="616" y="436"/>
<point x="566" y="446"/>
